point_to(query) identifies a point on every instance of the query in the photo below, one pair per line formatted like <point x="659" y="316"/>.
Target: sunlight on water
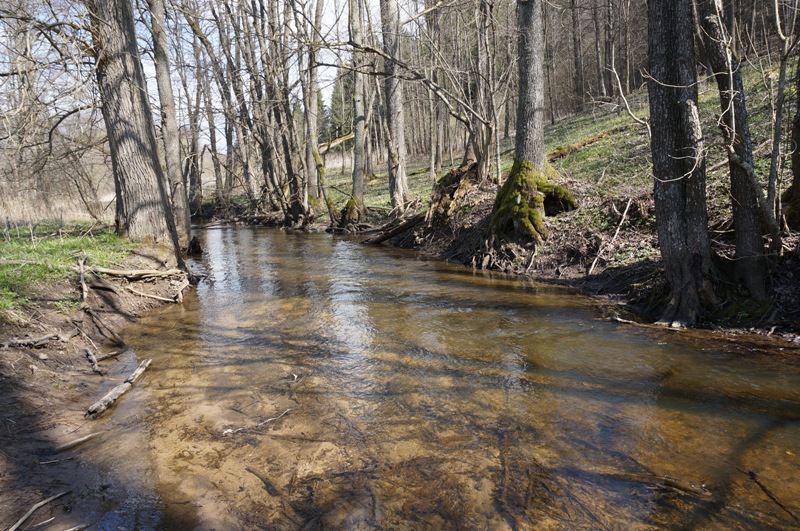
<point x="315" y="382"/>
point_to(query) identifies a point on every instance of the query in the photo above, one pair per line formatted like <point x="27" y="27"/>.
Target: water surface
<point x="313" y="382"/>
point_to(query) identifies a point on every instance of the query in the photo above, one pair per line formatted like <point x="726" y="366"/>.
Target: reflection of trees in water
<point x="405" y="430"/>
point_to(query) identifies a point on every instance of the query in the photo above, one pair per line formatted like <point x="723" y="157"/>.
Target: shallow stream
<point x="313" y="382"/>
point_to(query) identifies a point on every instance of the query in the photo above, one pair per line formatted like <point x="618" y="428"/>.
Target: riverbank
<point x="619" y="264"/>
<point x="47" y="384"/>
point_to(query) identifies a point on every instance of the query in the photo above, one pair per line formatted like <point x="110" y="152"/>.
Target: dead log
<point x="38" y="342"/>
<point x="99" y="407"/>
<point x="35" y="508"/>
<point x="93" y="360"/>
<point x="140" y="274"/>
<point x="390" y="232"/>
<point x="100" y="323"/>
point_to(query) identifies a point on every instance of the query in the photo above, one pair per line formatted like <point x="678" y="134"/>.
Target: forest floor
<point x="47" y="384"/>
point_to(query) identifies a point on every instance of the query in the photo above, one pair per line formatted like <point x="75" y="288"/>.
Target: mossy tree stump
<point x="351" y="214"/>
<point x="522" y="203"/>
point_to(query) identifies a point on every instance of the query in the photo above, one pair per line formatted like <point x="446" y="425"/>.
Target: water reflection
<point x="369" y="388"/>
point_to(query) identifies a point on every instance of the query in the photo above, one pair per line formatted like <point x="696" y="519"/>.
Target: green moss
<point x="519" y="206"/>
<point x="524" y="199"/>
<point x="351" y="213"/>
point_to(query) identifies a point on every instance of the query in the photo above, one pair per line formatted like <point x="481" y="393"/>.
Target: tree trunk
<point x="751" y="263"/>
<point x="598" y="50"/>
<point x="522" y="201"/>
<point x="577" y="54"/>
<point x="147" y="214"/>
<point x="355" y="206"/>
<point x="169" y="124"/>
<point x="678" y="162"/>
<point x="395" y="122"/>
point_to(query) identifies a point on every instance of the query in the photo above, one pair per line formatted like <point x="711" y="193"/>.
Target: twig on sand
<point x="35" y="508"/>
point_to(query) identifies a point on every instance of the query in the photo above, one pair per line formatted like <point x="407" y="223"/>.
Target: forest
<point x="285" y="112"/>
<point x="405" y="264"/>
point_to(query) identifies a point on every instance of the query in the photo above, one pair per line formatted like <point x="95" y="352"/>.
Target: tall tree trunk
<point x="395" y="123"/>
<point x="355" y="206"/>
<point x="598" y="50"/>
<point x="169" y="124"/>
<point x="678" y="162"/>
<point x="147" y="213"/>
<point x="577" y="54"/>
<point x="751" y="263"/>
<point x="519" y="208"/>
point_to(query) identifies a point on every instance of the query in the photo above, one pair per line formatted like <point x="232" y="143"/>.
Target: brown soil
<point x="45" y="391"/>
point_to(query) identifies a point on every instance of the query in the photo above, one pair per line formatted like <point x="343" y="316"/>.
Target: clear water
<point x="371" y="388"/>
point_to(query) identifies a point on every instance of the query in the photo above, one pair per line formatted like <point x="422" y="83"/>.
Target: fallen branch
<point x="140" y="274"/>
<point x="388" y="232"/>
<point x="182" y="286"/>
<point x="147" y="295"/>
<point x="35" y="508"/>
<point x="112" y="354"/>
<point x="268" y="485"/>
<point x="99" y="322"/>
<point x="603" y="247"/>
<point x="99" y="407"/>
<point x="38" y="342"/>
<point x="76" y="442"/>
<point x="93" y="360"/>
<point x="231" y="431"/>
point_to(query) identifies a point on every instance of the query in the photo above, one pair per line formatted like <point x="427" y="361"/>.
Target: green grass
<point x="30" y="265"/>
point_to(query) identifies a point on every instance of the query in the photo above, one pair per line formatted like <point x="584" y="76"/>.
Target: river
<point x="313" y="382"/>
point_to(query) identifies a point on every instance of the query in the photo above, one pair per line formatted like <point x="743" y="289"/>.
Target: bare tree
<point x="144" y="210"/>
<point x="395" y="123"/>
<point x="169" y="124"/>
<point x="678" y="162"/>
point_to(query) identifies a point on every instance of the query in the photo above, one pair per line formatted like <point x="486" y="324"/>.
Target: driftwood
<point x="148" y="296"/>
<point x="76" y="442"/>
<point x="388" y="231"/>
<point x="182" y="286"/>
<point x="35" y="508"/>
<point x="99" y="407"/>
<point x="93" y="360"/>
<point x="36" y="342"/>
<point x="268" y="485"/>
<point x="112" y="354"/>
<point x="99" y="322"/>
<point x="140" y="274"/>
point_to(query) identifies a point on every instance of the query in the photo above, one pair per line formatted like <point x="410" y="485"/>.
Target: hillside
<point x="609" y="245"/>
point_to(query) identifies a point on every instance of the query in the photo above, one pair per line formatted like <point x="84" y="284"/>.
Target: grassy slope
<point x="39" y="269"/>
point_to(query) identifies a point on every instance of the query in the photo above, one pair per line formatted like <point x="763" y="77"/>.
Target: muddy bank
<point x="46" y="385"/>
